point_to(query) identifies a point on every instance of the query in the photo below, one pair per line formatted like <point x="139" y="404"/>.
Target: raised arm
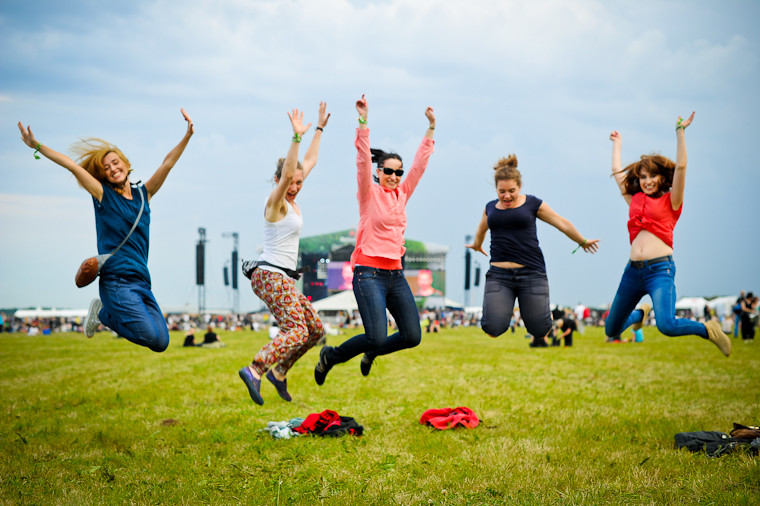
<point x="275" y="208"/>
<point x="480" y="235"/>
<point x="617" y="166"/>
<point x="679" y="176"/>
<point x="88" y="182"/>
<point x="310" y="158"/>
<point x="547" y="214"/>
<point x="157" y="179"/>
<point x="431" y="118"/>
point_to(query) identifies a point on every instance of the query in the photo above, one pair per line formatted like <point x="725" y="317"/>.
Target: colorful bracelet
<point x="363" y="121"/>
<point x="679" y="125"/>
<point x="579" y="246"/>
<point x="36" y="156"/>
<point x="296" y="137"/>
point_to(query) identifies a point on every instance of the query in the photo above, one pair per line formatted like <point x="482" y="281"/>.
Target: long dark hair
<point x="379" y="157"/>
<point x="656" y="165"/>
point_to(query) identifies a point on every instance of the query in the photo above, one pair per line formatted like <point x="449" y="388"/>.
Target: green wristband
<point x="579" y="246"/>
<point x="363" y="121"/>
<point x="36" y="156"/>
<point x="296" y="138"/>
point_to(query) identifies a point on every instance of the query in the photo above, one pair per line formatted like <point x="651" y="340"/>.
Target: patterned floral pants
<point x="300" y="326"/>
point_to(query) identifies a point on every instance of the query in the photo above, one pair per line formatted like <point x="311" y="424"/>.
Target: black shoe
<point x="322" y="368"/>
<point x="366" y="364"/>
<point x="281" y="386"/>
<point x="253" y="384"/>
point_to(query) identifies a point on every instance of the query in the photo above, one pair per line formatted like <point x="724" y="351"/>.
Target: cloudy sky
<point x="547" y="80"/>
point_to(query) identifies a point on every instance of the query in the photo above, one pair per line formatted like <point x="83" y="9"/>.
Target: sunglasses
<point x="388" y="171"/>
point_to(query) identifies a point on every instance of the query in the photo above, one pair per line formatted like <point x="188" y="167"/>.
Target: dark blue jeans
<point x="657" y="280"/>
<point x="131" y="310"/>
<point x="530" y="287"/>
<point x="376" y="290"/>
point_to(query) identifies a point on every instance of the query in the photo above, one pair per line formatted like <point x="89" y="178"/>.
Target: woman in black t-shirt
<point x="517" y="263"/>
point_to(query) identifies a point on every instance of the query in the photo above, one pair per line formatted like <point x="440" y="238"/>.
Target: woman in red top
<point x="653" y="188"/>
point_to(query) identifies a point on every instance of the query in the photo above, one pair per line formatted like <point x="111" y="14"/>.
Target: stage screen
<point x="423" y="282"/>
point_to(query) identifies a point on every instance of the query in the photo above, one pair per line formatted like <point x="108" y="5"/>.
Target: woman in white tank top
<point x="300" y="326"/>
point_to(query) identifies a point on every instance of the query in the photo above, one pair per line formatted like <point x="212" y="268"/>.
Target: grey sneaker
<point x="92" y="321"/>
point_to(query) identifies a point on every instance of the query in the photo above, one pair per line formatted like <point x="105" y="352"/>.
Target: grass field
<point x="103" y="421"/>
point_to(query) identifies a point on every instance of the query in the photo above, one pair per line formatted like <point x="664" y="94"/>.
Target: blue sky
<point x="546" y="80"/>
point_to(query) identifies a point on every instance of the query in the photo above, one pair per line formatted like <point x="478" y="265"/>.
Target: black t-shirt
<point x="513" y="233"/>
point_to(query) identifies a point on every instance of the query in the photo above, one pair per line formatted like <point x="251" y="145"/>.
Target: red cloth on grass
<point x="329" y="423"/>
<point x="448" y="418"/>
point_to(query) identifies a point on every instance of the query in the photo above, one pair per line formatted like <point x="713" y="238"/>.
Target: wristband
<point x="579" y="246"/>
<point x="37" y="150"/>
<point x="431" y="128"/>
<point x="679" y="125"/>
<point x="320" y="129"/>
<point x="296" y="137"/>
<point x="363" y="121"/>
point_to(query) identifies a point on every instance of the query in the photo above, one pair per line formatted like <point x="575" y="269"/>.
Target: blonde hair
<point x="281" y="164"/>
<point x="91" y="152"/>
<point x="506" y="169"/>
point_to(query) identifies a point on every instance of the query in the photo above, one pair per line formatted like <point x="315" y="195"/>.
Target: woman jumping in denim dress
<point x="379" y="281"/>
<point x="653" y="188"/>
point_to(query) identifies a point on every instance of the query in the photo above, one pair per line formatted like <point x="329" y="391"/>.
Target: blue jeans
<point x="131" y="310"/>
<point x="376" y="290"/>
<point x="657" y="280"/>
<point x="530" y="287"/>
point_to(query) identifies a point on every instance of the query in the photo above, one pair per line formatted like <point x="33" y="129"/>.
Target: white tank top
<point x="281" y="241"/>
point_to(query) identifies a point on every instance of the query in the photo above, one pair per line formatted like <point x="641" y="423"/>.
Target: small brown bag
<point x="90" y="268"/>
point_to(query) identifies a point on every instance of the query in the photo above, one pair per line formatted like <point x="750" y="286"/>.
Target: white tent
<point x="694" y="304"/>
<point x="50" y="313"/>
<point x="438" y="301"/>
<point x="722" y="305"/>
<point x="343" y="301"/>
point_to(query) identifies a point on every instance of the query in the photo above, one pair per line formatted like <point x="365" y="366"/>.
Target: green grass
<point x="103" y="421"/>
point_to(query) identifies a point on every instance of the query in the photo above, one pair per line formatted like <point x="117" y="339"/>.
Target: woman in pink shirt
<point x="379" y="281"/>
<point x="653" y="188"/>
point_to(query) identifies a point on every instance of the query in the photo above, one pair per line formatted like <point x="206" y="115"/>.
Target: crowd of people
<point x="653" y="187"/>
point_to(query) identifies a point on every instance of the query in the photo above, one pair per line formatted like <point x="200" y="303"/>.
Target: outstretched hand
<point x="190" y="127"/>
<point x="683" y="123"/>
<point x="322" y="121"/>
<point x="430" y="116"/>
<point x="362" y="107"/>
<point x="27" y="136"/>
<point x="296" y="119"/>
<point x="473" y="247"/>
<point x="590" y="246"/>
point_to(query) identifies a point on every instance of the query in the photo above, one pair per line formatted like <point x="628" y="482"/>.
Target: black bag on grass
<point x="715" y="443"/>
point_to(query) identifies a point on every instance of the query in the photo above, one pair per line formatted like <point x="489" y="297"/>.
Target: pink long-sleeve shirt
<point x="382" y="212"/>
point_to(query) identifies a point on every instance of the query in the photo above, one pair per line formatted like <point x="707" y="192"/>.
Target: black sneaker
<point x="366" y="364"/>
<point x="281" y="386"/>
<point x="322" y="368"/>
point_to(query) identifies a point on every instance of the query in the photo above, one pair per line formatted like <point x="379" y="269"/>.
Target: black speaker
<point x="467" y="262"/>
<point x="234" y="269"/>
<point x="200" y="261"/>
<point x="226" y="276"/>
<point x="477" y="276"/>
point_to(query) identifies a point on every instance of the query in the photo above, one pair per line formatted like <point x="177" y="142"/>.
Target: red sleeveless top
<point x="655" y="215"/>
